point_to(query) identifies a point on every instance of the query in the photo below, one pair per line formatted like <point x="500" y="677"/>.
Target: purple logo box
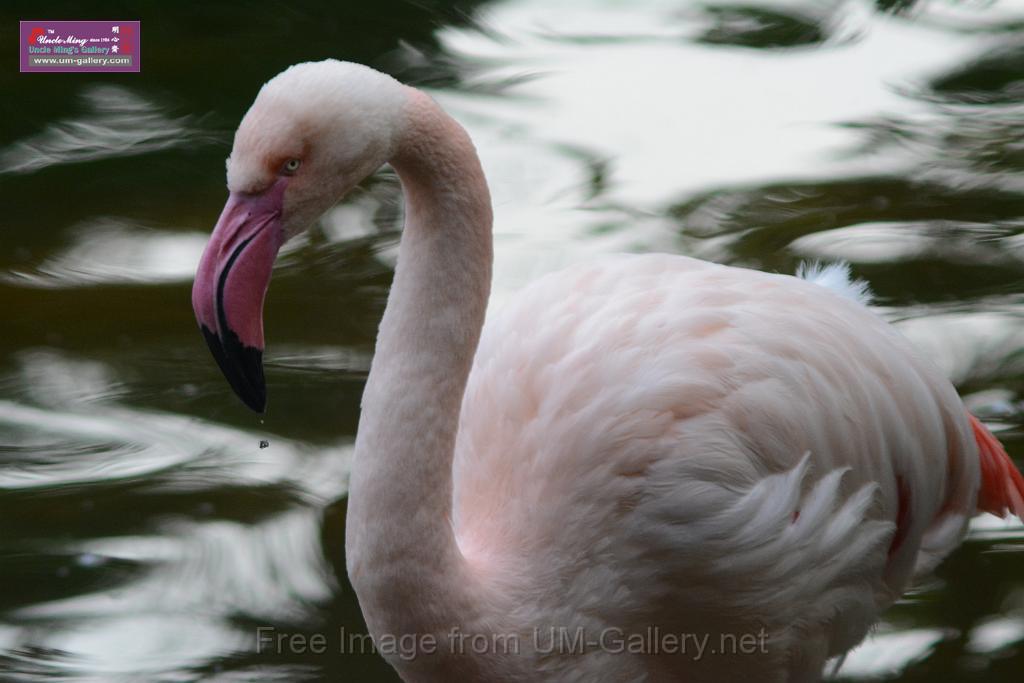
<point x="80" y="46"/>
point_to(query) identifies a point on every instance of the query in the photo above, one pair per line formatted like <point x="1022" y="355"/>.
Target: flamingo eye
<point x="292" y="165"/>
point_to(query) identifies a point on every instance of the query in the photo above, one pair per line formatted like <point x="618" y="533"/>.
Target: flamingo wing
<point x="655" y="439"/>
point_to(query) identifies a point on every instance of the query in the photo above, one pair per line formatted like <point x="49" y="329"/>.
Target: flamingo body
<point x="643" y="469"/>
<point x="723" y="446"/>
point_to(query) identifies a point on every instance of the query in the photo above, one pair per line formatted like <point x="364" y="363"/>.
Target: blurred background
<point x="145" y="535"/>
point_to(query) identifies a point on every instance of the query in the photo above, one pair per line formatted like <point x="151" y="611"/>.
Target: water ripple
<point x="110" y="250"/>
<point x="118" y="122"/>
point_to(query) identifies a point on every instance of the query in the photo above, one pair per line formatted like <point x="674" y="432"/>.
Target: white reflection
<point x="622" y="82"/>
<point x="144" y="644"/>
<point x="675" y="116"/>
<point x="887" y="654"/>
<point x="111" y="442"/>
<point x="139" y="443"/>
<point x="975" y="346"/>
<point x="55" y="379"/>
<point x="348" y="221"/>
<point x="112" y="251"/>
<point x="891" y="242"/>
<point x="202" y="570"/>
<point x="974" y="16"/>
<point x="335" y="358"/>
<point x="271" y="570"/>
<point x="8" y="636"/>
<point x="117" y="122"/>
<point x="996" y="634"/>
<point x="988" y="527"/>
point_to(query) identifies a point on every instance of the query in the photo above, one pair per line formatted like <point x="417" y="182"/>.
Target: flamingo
<point x="636" y="457"/>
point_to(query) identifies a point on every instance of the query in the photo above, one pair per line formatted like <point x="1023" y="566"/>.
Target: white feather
<point x="836" y="277"/>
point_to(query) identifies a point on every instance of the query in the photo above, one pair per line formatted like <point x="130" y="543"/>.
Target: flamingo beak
<point x="230" y="285"/>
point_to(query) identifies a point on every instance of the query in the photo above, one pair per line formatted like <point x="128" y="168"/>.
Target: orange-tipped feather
<point x="1002" y="486"/>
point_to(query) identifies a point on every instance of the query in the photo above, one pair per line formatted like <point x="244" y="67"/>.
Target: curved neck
<point x="402" y="556"/>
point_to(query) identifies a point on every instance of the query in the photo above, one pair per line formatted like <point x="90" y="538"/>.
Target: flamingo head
<point x="314" y="132"/>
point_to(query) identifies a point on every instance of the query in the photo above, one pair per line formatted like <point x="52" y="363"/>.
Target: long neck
<point x="402" y="556"/>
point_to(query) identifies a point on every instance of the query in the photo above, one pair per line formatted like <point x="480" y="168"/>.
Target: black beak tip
<point x="253" y="397"/>
<point x="242" y="367"/>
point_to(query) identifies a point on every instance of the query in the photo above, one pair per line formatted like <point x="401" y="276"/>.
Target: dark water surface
<point x="144" y="535"/>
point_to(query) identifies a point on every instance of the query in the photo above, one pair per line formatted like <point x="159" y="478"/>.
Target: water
<point x="145" y="534"/>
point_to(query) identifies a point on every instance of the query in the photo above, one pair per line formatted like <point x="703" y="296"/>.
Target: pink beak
<point x="231" y="282"/>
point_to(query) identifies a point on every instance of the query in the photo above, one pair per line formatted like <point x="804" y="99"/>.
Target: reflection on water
<point x="117" y="123"/>
<point x="145" y="533"/>
<point x="888" y="654"/>
<point x="107" y="251"/>
<point x="996" y="635"/>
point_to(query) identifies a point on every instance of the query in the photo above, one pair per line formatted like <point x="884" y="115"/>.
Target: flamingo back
<point x="656" y="439"/>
